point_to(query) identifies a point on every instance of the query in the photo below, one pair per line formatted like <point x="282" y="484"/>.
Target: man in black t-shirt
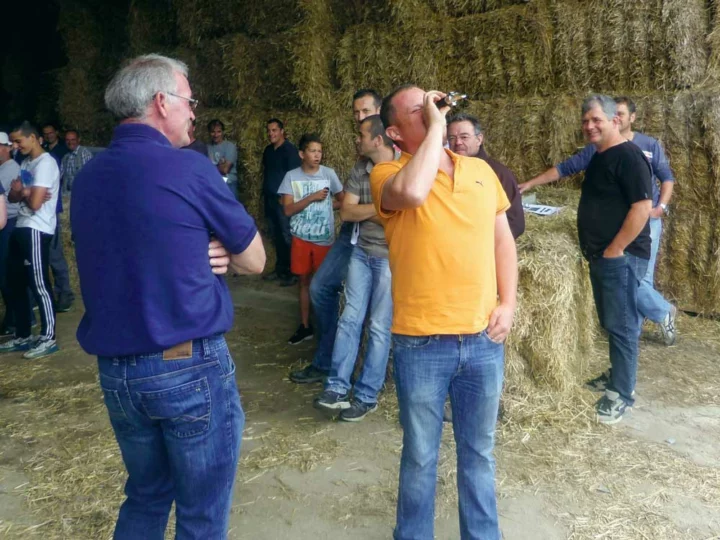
<point x="615" y="205"/>
<point x="279" y="157"/>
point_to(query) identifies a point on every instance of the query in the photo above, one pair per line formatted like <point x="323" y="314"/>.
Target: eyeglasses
<point x="193" y="102"/>
<point x="464" y="138"/>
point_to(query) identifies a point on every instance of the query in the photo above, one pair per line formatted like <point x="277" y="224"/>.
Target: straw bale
<point x="313" y="41"/>
<point x="555" y="323"/>
<point x="504" y="51"/>
<point x="200" y="20"/>
<point x="81" y="105"/>
<point x="150" y="27"/>
<point x="685" y="24"/>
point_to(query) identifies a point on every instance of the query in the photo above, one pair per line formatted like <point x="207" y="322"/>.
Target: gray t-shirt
<point x="228" y="151"/>
<point x="372" y="235"/>
<point x="316" y="223"/>
<point x="40" y="172"/>
<point x="9" y="171"/>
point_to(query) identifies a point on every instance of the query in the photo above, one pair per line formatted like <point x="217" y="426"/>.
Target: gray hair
<point x="134" y="86"/>
<point x="464" y="117"/>
<point x="606" y="103"/>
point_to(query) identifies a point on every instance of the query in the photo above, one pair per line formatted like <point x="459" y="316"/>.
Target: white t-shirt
<point x="40" y="172"/>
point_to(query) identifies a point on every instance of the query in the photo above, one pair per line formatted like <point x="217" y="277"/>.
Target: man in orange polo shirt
<point x="452" y="256"/>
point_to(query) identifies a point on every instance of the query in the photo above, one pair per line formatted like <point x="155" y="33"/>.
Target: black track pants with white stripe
<point x="28" y="263"/>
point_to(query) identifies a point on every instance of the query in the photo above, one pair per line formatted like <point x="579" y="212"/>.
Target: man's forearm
<point x="666" y="191"/>
<point x="551" y="175"/>
<point x="357" y="212"/>
<point x="506" y="267"/>
<point x="225" y="167"/>
<point x="633" y="225"/>
<point x="250" y="261"/>
<point x="411" y="186"/>
<point x="16" y="196"/>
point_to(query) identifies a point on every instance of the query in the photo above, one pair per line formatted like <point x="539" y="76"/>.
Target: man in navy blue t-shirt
<point x="143" y="214"/>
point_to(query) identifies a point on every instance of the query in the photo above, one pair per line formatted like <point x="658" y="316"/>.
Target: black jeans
<point x="28" y="267"/>
<point x="615" y="284"/>
<point x="279" y="231"/>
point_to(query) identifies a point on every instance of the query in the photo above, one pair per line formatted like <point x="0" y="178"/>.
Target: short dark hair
<point x="364" y="92"/>
<point x="377" y="129"/>
<point x="215" y="122"/>
<point x="624" y="100"/>
<point x="75" y="131"/>
<point x="308" y="138"/>
<point x="49" y="124"/>
<point x="387" y="109"/>
<point x="275" y="121"/>
<point x="464" y="117"/>
<point x="27" y="129"/>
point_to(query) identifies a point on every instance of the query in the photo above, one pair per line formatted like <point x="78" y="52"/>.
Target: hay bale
<point x="81" y="105"/>
<point x="555" y="324"/>
<point x="150" y="27"/>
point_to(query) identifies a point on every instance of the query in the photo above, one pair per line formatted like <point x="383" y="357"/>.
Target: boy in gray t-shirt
<point x="307" y="198"/>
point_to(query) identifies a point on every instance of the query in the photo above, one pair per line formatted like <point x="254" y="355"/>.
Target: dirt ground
<point x="560" y="475"/>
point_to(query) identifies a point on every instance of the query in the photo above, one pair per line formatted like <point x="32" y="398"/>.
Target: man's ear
<point x="481" y="138"/>
<point x="393" y="133"/>
<point x="632" y="118"/>
<point x="302" y="154"/>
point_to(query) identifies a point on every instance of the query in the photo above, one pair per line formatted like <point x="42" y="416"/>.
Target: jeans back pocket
<point x="184" y="410"/>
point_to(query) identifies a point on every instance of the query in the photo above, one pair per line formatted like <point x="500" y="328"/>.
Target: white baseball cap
<point x="4" y="139"/>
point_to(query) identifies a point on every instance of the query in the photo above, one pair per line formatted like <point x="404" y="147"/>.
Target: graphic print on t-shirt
<point x="27" y="178"/>
<point x="313" y="223"/>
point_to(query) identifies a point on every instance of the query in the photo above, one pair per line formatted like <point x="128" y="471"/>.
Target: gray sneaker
<point x="668" y="328"/>
<point x="40" y="348"/>
<point x="332" y="401"/>
<point x="610" y="408"/>
<point x="16" y="344"/>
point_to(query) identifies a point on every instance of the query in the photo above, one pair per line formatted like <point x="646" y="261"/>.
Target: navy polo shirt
<point x="142" y="216"/>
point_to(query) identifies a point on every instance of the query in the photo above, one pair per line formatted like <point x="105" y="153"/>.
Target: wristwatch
<point x="664" y="208"/>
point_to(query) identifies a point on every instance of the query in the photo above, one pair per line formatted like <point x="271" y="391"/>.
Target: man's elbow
<point x="405" y="199"/>
<point x="257" y="265"/>
<point x="287" y="211"/>
<point x="34" y="205"/>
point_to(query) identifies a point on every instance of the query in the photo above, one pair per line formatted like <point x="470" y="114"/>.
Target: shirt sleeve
<point x="335" y="184"/>
<point x="353" y="184"/>
<point x="379" y="176"/>
<point x="293" y="159"/>
<point x="286" y="185"/>
<point x="576" y="163"/>
<point x="46" y="174"/>
<point x="85" y="156"/>
<point x="226" y="218"/>
<point x="661" y="165"/>
<point x="231" y="152"/>
<point x="634" y="178"/>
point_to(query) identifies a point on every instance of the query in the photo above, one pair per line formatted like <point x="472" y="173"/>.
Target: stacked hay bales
<point x="527" y="64"/>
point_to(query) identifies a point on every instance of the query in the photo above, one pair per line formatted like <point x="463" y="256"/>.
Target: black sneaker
<point x="332" y="401"/>
<point x="599" y="384"/>
<point x="308" y="375"/>
<point x="8" y="331"/>
<point x="357" y="411"/>
<point x="288" y="281"/>
<point x="272" y="276"/>
<point x="301" y="334"/>
<point x="610" y="408"/>
<point x="63" y="306"/>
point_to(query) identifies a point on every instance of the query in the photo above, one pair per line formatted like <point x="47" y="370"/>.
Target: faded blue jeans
<point x="470" y="369"/>
<point x="325" y="291"/>
<point x="651" y="303"/>
<point x="367" y="286"/>
<point x="179" y="425"/>
<point x="615" y="284"/>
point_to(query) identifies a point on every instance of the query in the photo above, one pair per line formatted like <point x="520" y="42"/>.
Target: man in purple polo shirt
<point x="143" y="213"/>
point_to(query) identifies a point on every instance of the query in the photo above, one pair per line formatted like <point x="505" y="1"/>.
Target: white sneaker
<point x="42" y="347"/>
<point x="16" y="344"/>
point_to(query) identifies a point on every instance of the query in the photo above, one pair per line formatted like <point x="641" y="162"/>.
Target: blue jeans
<point x="325" y="291"/>
<point x="650" y="302"/>
<point x="367" y="285"/>
<point x="615" y="284"/>
<point x="179" y="425"/>
<point x="470" y="369"/>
